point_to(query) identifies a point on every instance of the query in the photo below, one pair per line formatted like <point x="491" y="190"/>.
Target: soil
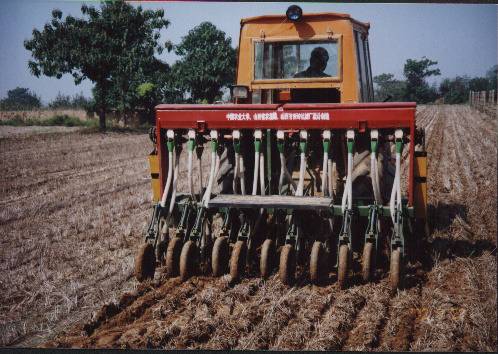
<point x="75" y="205"/>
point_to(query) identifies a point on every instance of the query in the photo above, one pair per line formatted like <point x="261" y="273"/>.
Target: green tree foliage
<point x="388" y="88"/>
<point x="416" y="73"/>
<point x="492" y="76"/>
<point x="106" y="46"/>
<point x="207" y="63"/>
<point x="454" y="90"/>
<point x="20" y="98"/>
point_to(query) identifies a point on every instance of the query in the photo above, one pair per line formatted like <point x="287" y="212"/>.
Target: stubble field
<point x="73" y="208"/>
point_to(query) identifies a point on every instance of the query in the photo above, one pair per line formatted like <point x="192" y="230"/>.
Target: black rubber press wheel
<point x="395" y="270"/>
<point x="318" y="262"/>
<point x="238" y="260"/>
<point x="367" y="262"/>
<point x="173" y="257"/>
<point x="219" y="258"/>
<point x="188" y="260"/>
<point x="267" y="260"/>
<point x="343" y="266"/>
<point x="145" y="262"/>
<point x="287" y="266"/>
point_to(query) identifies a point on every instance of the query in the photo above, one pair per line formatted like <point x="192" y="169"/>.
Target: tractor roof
<point x="306" y="17"/>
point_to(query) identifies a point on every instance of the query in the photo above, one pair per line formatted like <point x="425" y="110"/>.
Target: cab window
<point x="295" y="60"/>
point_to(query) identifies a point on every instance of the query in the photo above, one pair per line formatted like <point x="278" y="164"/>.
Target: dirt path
<point x="449" y="302"/>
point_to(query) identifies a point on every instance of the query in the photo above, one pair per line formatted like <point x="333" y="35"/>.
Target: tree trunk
<point x="102" y="126"/>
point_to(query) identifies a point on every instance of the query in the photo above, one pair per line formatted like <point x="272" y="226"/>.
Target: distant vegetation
<point x="60" y="120"/>
<point x="415" y="87"/>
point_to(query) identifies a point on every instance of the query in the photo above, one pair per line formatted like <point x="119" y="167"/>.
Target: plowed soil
<point x="74" y="207"/>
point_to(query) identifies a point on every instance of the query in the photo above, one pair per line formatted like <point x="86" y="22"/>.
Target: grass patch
<point x="58" y="120"/>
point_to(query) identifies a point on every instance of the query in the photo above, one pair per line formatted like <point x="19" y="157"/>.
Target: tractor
<point x="307" y="174"/>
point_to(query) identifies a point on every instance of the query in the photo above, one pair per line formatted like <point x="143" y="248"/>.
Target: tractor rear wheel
<point x="287" y="267"/>
<point x="318" y="262"/>
<point x="395" y="270"/>
<point x="267" y="261"/>
<point x="188" y="260"/>
<point x="238" y="260"/>
<point x="367" y="262"/>
<point x="343" y="266"/>
<point x="219" y="258"/>
<point x="173" y="257"/>
<point x="145" y="262"/>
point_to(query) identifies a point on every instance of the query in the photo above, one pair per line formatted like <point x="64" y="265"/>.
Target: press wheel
<point x="173" y="257"/>
<point x="395" y="270"/>
<point x="287" y="266"/>
<point x="145" y="262"/>
<point x="318" y="262"/>
<point x="343" y="266"/>
<point x="219" y="258"/>
<point x="367" y="262"/>
<point x="267" y="260"/>
<point x="238" y="260"/>
<point x="188" y="260"/>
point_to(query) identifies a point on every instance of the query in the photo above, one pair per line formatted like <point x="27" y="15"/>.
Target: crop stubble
<point x="73" y="211"/>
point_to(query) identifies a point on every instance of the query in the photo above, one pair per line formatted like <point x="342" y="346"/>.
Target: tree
<point x="492" y="76"/>
<point x="105" y="47"/>
<point x="207" y="63"/>
<point x="388" y="87"/>
<point x="20" y="98"/>
<point x="416" y="73"/>
<point x="455" y="90"/>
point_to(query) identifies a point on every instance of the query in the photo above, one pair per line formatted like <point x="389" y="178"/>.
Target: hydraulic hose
<point x="171" y="146"/>
<point x="302" y="167"/>
<point x="262" y="173"/>
<point x="242" y="176"/>
<point x="347" y="196"/>
<point x="257" y="148"/>
<point x="395" y="201"/>
<point x="325" y="166"/>
<point x="215" y="161"/>
<point x="190" y="148"/>
<point x="175" y="180"/>
<point x="374" y="172"/>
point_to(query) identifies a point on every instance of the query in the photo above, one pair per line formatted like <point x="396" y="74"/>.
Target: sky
<point x="461" y="37"/>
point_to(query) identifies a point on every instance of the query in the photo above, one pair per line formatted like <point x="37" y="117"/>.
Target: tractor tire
<point x="145" y="262"/>
<point x="238" y="260"/>
<point x="267" y="260"/>
<point x="220" y="256"/>
<point x="343" y="266"/>
<point x="287" y="266"/>
<point x="188" y="260"/>
<point x="395" y="270"/>
<point x="173" y="257"/>
<point x="368" y="262"/>
<point x="318" y="263"/>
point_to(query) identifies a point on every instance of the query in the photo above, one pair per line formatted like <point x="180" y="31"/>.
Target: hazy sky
<point x="462" y="38"/>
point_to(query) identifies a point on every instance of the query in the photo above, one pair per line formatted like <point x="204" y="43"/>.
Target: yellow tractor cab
<point x="308" y="58"/>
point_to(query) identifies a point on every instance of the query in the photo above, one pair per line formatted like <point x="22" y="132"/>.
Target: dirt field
<point x="74" y="207"/>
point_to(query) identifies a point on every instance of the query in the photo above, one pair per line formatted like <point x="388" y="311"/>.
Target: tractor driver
<point x="318" y="63"/>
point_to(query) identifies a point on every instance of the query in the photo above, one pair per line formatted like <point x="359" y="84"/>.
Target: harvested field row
<point x="449" y="302"/>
